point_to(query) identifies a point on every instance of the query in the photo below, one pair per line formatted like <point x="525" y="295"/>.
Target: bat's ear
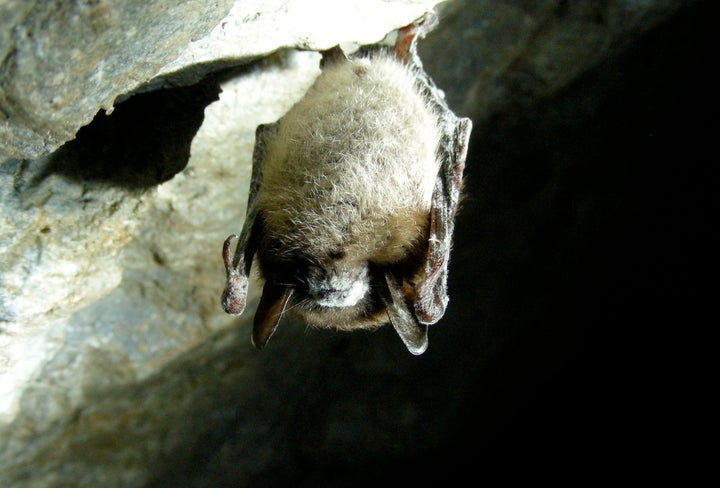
<point x="431" y="296"/>
<point x="269" y="312"/>
<point x="402" y="318"/>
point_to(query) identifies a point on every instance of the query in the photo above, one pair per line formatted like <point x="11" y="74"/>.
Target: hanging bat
<point x="353" y="198"/>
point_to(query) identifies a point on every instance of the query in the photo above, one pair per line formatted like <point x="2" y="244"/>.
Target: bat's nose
<point x="337" y="291"/>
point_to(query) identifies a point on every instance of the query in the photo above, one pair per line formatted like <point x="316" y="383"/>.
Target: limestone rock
<point x="63" y="61"/>
<point x="60" y="63"/>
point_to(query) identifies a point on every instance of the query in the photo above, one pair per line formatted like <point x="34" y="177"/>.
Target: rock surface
<point x="586" y="207"/>
<point x="61" y="62"/>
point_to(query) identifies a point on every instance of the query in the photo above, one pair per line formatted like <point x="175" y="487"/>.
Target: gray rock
<point x="60" y="62"/>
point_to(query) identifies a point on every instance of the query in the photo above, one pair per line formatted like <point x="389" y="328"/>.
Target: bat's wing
<point x="411" y="311"/>
<point x="431" y="297"/>
<point x="237" y="265"/>
<point x="428" y="300"/>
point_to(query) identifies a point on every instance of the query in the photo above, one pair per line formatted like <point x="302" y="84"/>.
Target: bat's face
<point x="342" y="287"/>
<point x="332" y="291"/>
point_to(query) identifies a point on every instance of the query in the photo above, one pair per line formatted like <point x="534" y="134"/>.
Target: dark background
<point x="579" y="282"/>
<point x="597" y="210"/>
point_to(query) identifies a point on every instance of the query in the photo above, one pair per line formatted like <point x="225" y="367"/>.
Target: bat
<point x="352" y="199"/>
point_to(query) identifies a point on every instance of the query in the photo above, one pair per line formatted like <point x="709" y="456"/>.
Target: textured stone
<point x="62" y="62"/>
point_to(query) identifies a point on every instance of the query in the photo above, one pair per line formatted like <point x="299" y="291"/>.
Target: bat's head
<point x="341" y="285"/>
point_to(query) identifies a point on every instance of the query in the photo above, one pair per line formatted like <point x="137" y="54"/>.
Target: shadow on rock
<point x="144" y="142"/>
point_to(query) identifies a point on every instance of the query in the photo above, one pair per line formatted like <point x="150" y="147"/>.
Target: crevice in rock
<point x="142" y="143"/>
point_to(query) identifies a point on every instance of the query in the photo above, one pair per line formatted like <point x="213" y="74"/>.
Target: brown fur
<point x="343" y="195"/>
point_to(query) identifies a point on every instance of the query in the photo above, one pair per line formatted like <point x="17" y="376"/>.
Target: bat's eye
<point x="335" y="255"/>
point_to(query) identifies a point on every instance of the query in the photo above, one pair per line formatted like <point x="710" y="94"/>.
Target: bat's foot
<point x="408" y="34"/>
<point x="332" y="56"/>
<point x="236" y="285"/>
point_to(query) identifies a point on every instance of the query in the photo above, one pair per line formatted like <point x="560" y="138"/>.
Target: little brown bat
<point x="353" y="198"/>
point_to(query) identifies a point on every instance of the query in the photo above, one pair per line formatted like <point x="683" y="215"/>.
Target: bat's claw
<point x="332" y="56"/>
<point x="227" y="257"/>
<point x="407" y="35"/>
